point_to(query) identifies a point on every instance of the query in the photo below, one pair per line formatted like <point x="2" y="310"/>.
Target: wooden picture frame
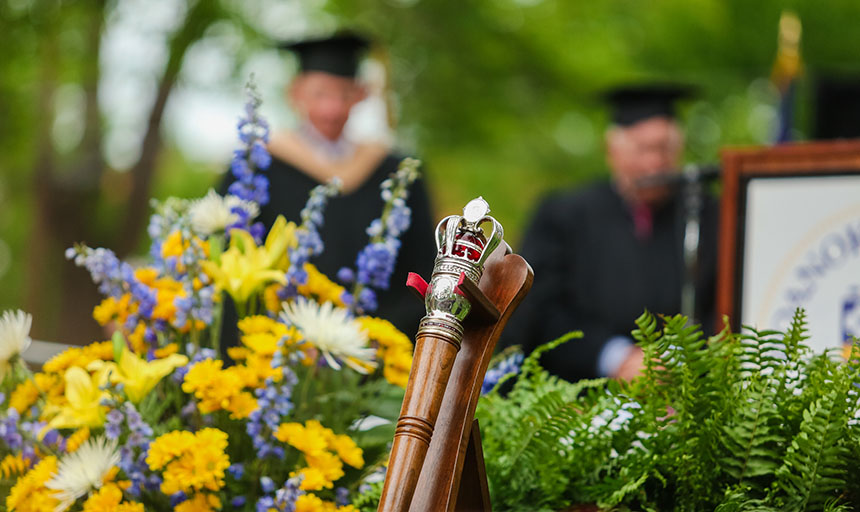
<point x="740" y="166"/>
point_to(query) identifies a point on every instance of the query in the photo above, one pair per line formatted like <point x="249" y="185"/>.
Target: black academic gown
<point x="343" y="233"/>
<point x="593" y="274"/>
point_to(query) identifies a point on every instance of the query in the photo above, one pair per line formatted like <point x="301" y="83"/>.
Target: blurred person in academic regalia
<point x="605" y="253"/>
<point x="323" y="95"/>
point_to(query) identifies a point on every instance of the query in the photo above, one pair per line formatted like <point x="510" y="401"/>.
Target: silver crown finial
<point x="475" y="210"/>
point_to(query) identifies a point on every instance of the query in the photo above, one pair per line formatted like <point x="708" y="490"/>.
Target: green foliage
<point x="748" y="421"/>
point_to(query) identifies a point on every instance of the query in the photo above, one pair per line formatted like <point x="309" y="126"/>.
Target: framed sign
<point x="790" y="237"/>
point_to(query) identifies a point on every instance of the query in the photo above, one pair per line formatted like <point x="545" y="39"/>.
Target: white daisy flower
<point x="83" y="470"/>
<point x="213" y="213"/>
<point x="333" y="332"/>
<point x="14" y="337"/>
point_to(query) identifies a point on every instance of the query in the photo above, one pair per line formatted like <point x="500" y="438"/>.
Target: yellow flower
<point x="30" y="493"/>
<point x="199" y="503"/>
<point x="136" y="339"/>
<point x="79" y="356"/>
<point x="27" y="392"/>
<point x="328" y="464"/>
<point x="24" y="395"/>
<point x="13" y="465"/>
<point x="312" y="503"/>
<point x="318" y="285"/>
<point x="398" y="362"/>
<point x="260" y="337"/>
<point x="170" y="348"/>
<point x="245" y="268"/>
<point x="191" y="462"/>
<point x="313" y="479"/>
<point x="319" y="445"/>
<point x="112" y="309"/>
<point x="257" y="324"/>
<point x="270" y="298"/>
<point x="77" y="439"/>
<point x="237" y="353"/>
<point x="173" y="245"/>
<point x="138" y="376"/>
<point x="106" y="499"/>
<point x="83" y="401"/>
<point x="309" y="441"/>
<point x="147" y="275"/>
<point x="218" y="389"/>
<point x="262" y="343"/>
<point x="394" y="349"/>
<point x="383" y="332"/>
<point x="347" y="450"/>
<point x="258" y="369"/>
<point x="165" y="307"/>
<point x="105" y="311"/>
<point x="167" y="447"/>
<point x="242" y="405"/>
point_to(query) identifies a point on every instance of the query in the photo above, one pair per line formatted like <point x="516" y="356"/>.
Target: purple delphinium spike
<point x="252" y="156"/>
<point x="375" y="262"/>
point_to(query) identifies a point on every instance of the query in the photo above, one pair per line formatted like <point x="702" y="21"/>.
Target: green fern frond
<point x="814" y="463"/>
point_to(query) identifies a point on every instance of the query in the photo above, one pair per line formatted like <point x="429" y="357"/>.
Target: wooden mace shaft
<point x="431" y="367"/>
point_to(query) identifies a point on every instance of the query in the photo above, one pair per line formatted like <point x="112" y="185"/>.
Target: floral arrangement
<point x="750" y="421"/>
<point x="156" y="419"/>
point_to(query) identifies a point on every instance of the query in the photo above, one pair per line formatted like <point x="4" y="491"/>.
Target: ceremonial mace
<point x="462" y="249"/>
<point x="476" y="275"/>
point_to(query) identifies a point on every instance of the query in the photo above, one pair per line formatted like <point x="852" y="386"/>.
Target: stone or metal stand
<point x="433" y="465"/>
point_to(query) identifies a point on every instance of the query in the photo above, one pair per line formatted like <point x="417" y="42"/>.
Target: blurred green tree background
<point x="501" y="98"/>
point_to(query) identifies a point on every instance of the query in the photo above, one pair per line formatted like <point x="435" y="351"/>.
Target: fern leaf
<point x="813" y="467"/>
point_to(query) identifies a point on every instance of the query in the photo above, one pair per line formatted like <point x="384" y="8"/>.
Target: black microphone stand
<point x="691" y="194"/>
<point x="691" y="182"/>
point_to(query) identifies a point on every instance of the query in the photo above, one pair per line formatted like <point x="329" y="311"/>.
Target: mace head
<point x="461" y="240"/>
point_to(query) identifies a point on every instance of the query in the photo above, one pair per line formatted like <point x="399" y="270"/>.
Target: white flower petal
<point x="14" y="334"/>
<point x="213" y="213"/>
<point x="332" y="331"/>
<point x="83" y="470"/>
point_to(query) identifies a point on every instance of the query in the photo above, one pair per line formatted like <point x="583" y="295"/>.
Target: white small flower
<point x="213" y="213"/>
<point x="14" y="337"/>
<point x="83" y="470"/>
<point x="332" y="331"/>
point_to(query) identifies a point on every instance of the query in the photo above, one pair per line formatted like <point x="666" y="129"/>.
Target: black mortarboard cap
<point x="633" y="103"/>
<point x="837" y="108"/>
<point x="338" y="54"/>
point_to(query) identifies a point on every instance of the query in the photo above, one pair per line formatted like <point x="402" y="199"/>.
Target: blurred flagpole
<point x="786" y="71"/>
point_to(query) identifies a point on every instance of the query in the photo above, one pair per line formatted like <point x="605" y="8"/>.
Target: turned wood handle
<point x="431" y="366"/>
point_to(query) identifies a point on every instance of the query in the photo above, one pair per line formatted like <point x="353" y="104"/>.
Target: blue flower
<point x="346" y="275"/>
<point x="177" y="498"/>
<point x="260" y="156"/>
<point x="273" y="404"/>
<point x="507" y="366"/>
<point x="267" y="484"/>
<point x="253" y="155"/>
<point x="399" y="219"/>
<point x="375" y="262"/>
<point x="9" y="430"/>
<point x="236" y="470"/>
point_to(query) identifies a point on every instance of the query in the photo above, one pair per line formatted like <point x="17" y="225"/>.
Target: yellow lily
<point x="83" y="397"/>
<point x="138" y="376"/>
<point x="245" y="268"/>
